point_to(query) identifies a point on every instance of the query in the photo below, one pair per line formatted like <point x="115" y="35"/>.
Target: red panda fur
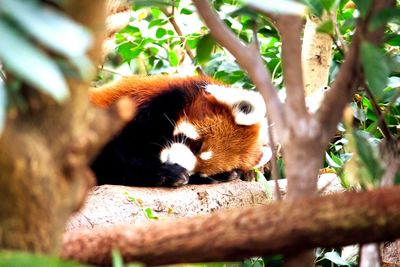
<point x="169" y="101"/>
<point x="141" y="88"/>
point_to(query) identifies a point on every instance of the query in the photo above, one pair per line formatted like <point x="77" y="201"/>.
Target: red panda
<point x="185" y="130"/>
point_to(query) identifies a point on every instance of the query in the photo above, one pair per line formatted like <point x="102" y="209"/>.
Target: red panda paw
<point x="216" y="178"/>
<point x="173" y="175"/>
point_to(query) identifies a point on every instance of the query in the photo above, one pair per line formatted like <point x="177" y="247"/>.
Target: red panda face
<point x="223" y="130"/>
<point x="184" y="128"/>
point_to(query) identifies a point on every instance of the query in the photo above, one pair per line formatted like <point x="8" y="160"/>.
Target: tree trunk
<point x="44" y="176"/>
<point x="316" y="55"/>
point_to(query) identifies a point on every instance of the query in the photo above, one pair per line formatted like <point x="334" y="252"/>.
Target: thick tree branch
<point x="245" y="57"/>
<point x="108" y="205"/>
<point x="283" y="227"/>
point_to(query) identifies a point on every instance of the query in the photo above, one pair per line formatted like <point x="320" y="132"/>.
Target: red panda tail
<point x="141" y="88"/>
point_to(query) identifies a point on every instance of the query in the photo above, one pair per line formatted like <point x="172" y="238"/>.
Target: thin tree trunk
<point x="316" y="55"/>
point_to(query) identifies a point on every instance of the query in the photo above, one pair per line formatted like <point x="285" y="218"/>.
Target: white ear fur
<point x="248" y="107"/>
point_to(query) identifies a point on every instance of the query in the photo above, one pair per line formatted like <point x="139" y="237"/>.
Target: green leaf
<point x="50" y="27"/>
<point x="329" y="4"/>
<point x="393" y="40"/>
<point x="161" y="32"/>
<point x="367" y="153"/>
<point x="117" y="258"/>
<point x="335" y="258"/>
<point x="263" y="181"/>
<point x="192" y="40"/>
<point x="397" y="178"/>
<point x="186" y="11"/>
<point x="173" y="58"/>
<point x="363" y="6"/>
<point x="157" y="22"/>
<point x="17" y="259"/>
<point x="315" y="6"/>
<point x="3" y="104"/>
<point x="376" y="68"/>
<point x="326" y="27"/>
<point x="129" y="51"/>
<point x="281" y="7"/>
<point x="384" y="16"/>
<point x="204" y="48"/>
<point x="31" y="64"/>
<point x="150" y="214"/>
<point x="333" y="160"/>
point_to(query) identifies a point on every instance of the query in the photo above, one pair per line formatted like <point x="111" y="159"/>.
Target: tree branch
<point x="245" y="57"/>
<point x="178" y="30"/>
<point x="281" y="227"/>
<point x="290" y="29"/>
<point x="108" y="205"/>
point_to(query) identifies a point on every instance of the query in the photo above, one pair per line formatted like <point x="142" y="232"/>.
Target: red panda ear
<point x="248" y="107"/>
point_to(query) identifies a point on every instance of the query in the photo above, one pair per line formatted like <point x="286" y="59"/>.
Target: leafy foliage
<point x="31" y="30"/>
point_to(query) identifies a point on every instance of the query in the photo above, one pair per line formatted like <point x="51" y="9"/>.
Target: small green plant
<point x="146" y="211"/>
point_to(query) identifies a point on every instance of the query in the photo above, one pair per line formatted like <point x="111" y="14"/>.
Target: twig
<point x="274" y="167"/>
<point x="341" y="50"/>
<point x="381" y="119"/>
<point x="112" y="71"/>
<point x="343" y="47"/>
<point x="187" y="49"/>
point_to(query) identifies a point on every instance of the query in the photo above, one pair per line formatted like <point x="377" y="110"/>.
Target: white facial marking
<point x="206" y="155"/>
<point x="234" y="97"/>
<point x="179" y="154"/>
<point x="267" y="155"/>
<point x="187" y="129"/>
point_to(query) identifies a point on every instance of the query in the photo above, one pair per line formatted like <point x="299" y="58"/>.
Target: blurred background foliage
<point x="40" y="47"/>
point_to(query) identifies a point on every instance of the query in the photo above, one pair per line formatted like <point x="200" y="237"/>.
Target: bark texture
<point x="284" y="227"/>
<point x="44" y="176"/>
<point x="109" y="205"/>
<point x="316" y="55"/>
